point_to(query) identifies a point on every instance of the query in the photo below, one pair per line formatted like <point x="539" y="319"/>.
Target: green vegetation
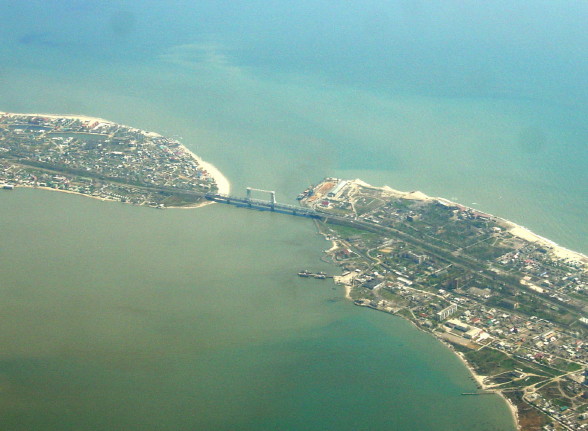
<point x="489" y="361"/>
<point x="349" y="232"/>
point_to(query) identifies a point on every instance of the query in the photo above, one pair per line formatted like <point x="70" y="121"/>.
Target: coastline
<point x="186" y="207"/>
<point x="480" y="381"/>
<point x="222" y="183"/>
<point x="518" y="409"/>
<point x="525" y="413"/>
<point x="26" y="186"/>
<point x="68" y="116"/>
<point x="478" y="378"/>
<point x="513" y="228"/>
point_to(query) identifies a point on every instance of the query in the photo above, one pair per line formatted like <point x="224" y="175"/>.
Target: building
<point x="446" y="312"/>
<point x="416" y="258"/>
<point x="457" y="324"/>
<point x="335" y="191"/>
<point x="508" y="304"/>
<point x="473" y="333"/>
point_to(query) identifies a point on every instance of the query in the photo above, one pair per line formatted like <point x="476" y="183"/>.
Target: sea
<point x="119" y="317"/>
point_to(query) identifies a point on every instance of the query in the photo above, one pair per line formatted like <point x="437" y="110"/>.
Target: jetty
<point x="317" y="275"/>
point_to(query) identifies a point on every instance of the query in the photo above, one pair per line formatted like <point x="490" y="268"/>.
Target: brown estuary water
<point x="120" y="317"/>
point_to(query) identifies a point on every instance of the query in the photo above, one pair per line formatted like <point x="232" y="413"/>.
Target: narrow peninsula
<point x="104" y="160"/>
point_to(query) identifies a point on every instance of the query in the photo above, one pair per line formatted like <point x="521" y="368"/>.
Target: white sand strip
<point x="515" y="229"/>
<point x="223" y="184"/>
<point x="68" y="116"/>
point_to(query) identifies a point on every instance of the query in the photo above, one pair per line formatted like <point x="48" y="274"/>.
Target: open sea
<point x="118" y="317"/>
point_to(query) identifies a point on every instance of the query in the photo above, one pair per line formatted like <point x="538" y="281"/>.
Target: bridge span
<point x="260" y="204"/>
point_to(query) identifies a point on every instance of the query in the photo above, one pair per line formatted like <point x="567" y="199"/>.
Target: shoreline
<point x="71" y="192"/>
<point x="68" y="116"/>
<point x="479" y="379"/>
<point x="513" y="228"/>
<point x="222" y="183"/>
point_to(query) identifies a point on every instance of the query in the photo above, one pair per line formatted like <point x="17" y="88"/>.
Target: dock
<point x="317" y="275"/>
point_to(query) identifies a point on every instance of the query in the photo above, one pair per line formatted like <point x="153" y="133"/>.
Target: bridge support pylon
<point x="272" y="202"/>
<point x="248" y="198"/>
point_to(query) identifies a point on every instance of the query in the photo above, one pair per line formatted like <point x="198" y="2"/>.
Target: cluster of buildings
<point x="97" y="158"/>
<point x="461" y="275"/>
<point x="566" y="417"/>
<point x="554" y="358"/>
<point x="560" y="279"/>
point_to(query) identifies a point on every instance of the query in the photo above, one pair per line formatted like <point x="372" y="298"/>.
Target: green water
<point x="124" y="318"/>
<point x="118" y="317"/>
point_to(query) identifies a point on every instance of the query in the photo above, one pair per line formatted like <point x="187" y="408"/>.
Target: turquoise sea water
<point x="127" y="318"/>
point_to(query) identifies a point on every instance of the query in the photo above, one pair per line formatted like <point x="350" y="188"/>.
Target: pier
<point x="317" y="275"/>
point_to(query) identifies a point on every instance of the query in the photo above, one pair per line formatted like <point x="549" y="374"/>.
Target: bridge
<point x="263" y="205"/>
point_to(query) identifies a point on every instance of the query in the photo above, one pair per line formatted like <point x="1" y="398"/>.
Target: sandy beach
<point x="480" y="382"/>
<point x="558" y="250"/>
<point x="513" y="228"/>
<point x="223" y="184"/>
<point x="68" y="116"/>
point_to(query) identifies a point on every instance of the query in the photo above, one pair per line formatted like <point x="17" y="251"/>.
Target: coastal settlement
<point x="511" y="304"/>
<point x="101" y="159"/>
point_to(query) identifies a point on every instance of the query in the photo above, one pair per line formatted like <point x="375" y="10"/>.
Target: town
<point x="509" y="303"/>
<point x="101" y="159"/>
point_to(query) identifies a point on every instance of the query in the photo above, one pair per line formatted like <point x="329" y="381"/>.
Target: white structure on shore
<point x="446" y="312"/>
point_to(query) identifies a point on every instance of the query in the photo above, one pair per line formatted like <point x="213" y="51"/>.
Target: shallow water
<point x="123" y="317"/>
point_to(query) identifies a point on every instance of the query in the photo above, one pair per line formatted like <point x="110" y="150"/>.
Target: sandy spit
<point x="68" y="116"/>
